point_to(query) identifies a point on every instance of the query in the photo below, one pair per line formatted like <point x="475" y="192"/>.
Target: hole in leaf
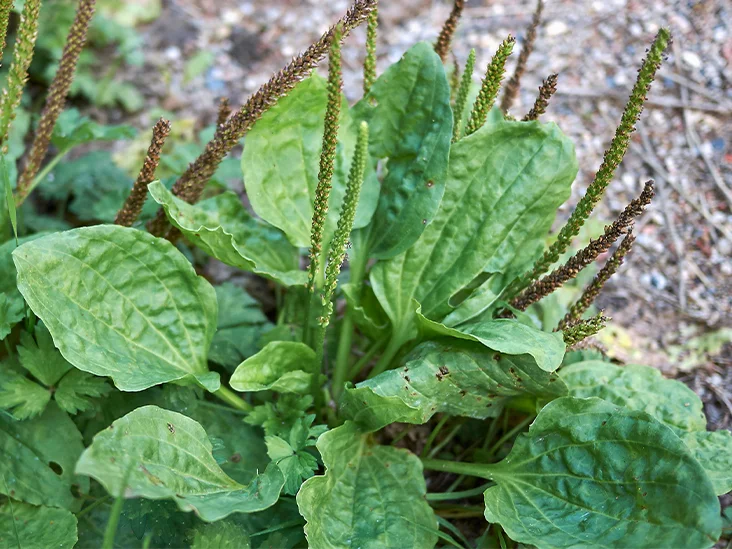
<point x="56" y="468"/>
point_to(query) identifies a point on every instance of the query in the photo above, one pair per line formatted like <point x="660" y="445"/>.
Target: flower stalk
<point x="56" y="98"/>
<point x="132" y="207"/>
<point x="612" y="158"/>
<point x="490" y="86"/>
<point x="512" y="87"/>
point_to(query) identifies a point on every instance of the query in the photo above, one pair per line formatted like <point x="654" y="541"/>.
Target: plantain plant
<point x="412" y="382"/>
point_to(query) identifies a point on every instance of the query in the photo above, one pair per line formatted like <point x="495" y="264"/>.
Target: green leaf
<point x="12" y="306"/>
<point x="77" y="389"/>
<point x="281" y="160"/>
<point x="282" y="366"/>
<point x="410" y="122"/>
<point x="370" y="497"/>
<point x="24" y="526"/>
<point x="41" y="358"/>
<point x="713" y="450"/>
<point x="295" y="465"/>
<point x="73" y="129"/>
<point x="11" y="312"/>
<point x="506" y="336"/>
<point x="222" y="228"/>
<point x="220" y="535"/>
<point x="121" y="303"/>
<point x="638" y="387"/>
<point x="37" y="458"/>
<point x="168" y="456"/>
<point x="9" y="199"/>
<point x="591" y="474"/>
<point x="241" y="324"/>
<point x="20" y="396"/>
<point x="450" y="376"/>
<point x="504" y="185"/>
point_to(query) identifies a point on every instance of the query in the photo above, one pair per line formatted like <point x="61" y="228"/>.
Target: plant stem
<point x="111" y="530"/>
<point x="447" y="439"/>
<point x="480" y="470"/>
<point x="231" y="398"/>
<point x="365" y="359"/>
<point x="101" y="501"/>
<point x="395" y="343"/>
<point x="459" y="495"/>
<point x="433" y="435"/>
<point x="509" y="435"/>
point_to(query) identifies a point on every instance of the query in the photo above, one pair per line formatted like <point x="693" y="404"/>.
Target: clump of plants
<point x="411" y="384"/>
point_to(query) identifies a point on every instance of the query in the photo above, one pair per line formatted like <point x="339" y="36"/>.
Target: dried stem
<point x="191" y="184"/>
<point x="512" y="87"/>
<point x="56" y="99"/>
<point x="444" y="40"/>
<point x="490" y="86"/>
<point x="546" y="91"/>
<point x="132" y="207"/>
<point x="613" y="156"/>
<point x="593" y="289"/>
<point x="587" y="255"/>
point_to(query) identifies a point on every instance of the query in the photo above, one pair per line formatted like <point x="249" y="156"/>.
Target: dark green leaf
<point x="11" y="312"/>
<point x="281" y="160"/>
<point x="73" y="129"/>
<point x="455" y="377"/>
<point x="12" y="306"/>
<point x="37" y="458"/>
<point x="169" y="456"/>
<point x="410" y="123"/>
<point x="240" y="326"/>
<point x="121" y="303"/>
<point x="220" y="535"/>
<point x="370" y="497"/>
<point x="222" y="228"/>
<point x="24" y="526"/>
<point x="591" y="474"/>
<point x="504" y="185"/>
<point x="282" y="366"/>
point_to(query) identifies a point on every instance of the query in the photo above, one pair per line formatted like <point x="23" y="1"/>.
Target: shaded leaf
<point x="37" y="458"/>
<point x="220" y="535"/>
<point x="221" y="227"/>
<point x="281" y="161"/>
<point x="240" y="326"/>
<point x="12" y="306"/>
<point x="504" y="185"/>
<point x="282" y="366"/>
<point x="370" y="496"/>
<point x="591" y="474"/>
<point x="24" y="526"/>
<point x="73" y="129"/>
<point x="410" y="122"/>
<point x="139" y="312"/>
<point x="454" y="377"/>
<point x="168" y="456"/>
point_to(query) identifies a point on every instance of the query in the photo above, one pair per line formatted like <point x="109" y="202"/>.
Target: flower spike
<point x="462" y="96"/>
<point x="444" y="40"/>
<point x="582" y="329"/>
<point x="132" y="207"/>
<point x="491" y="84"/>
<point x="512" y="87"/>
<point x="190" y="185"/>
<point x="587" y="255"/>
<point x="56" y="99"/>
<point x="613" y="155"/>
<point x="546" y="91"/>
<point x="5" y="7"/>
<point x="224" y="111"/>
<point x="369" y="63"/>
<point x="18" y="75"/>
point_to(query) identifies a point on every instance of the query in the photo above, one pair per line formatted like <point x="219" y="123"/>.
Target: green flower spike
<point x="462" y="95"/>
<point x="369" y="63"/>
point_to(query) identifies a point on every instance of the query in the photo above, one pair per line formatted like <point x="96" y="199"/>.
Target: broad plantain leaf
<point x="451" y="376"/>
<point x="638" y="387"/>
<point x="281" y="160"/>
<point x="671" y="402"/>
<point x="37" y="458"/>
<point x="370" y="497"/>
<point x="121" y="303"/>
<point x="506" y="336"/>
<point x="168" y="456"/>
<point x="221" y="227"/>
<point x="24" y="526"/>
<point x="410" y="122"/>
<point x="504" y="185"/>
<point x="713" y="451"/>
<point x="240" y="326"/>
<point x="282" y="366"/>
<point x="591" y="474"/>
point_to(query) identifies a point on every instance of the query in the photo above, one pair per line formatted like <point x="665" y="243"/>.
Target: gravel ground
<point x="672" y="301"/>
